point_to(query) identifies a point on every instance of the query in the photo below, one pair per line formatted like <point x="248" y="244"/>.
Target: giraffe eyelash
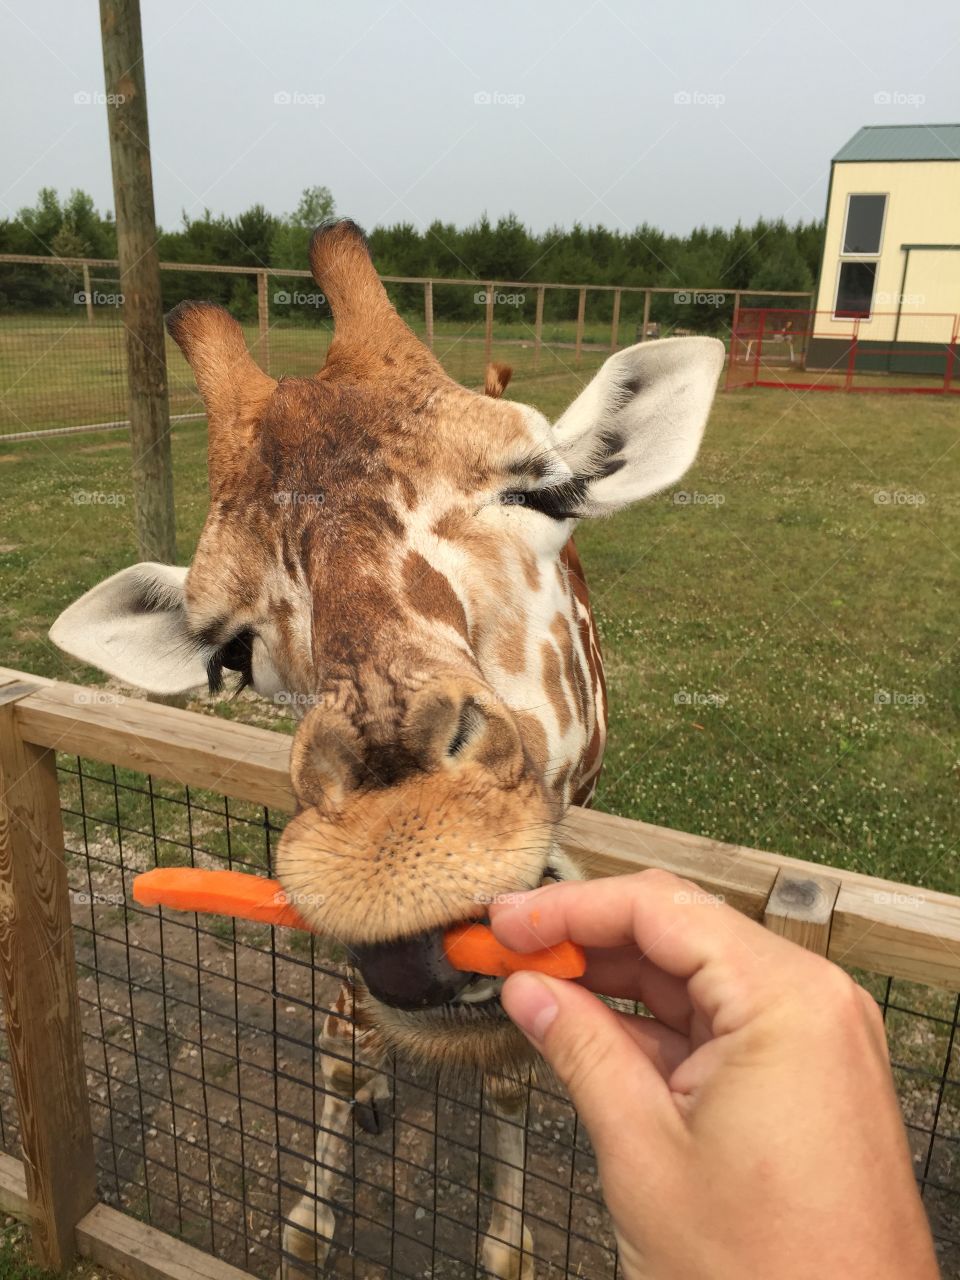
<point x="558" y="501"/>
<point x="235" y="655"/>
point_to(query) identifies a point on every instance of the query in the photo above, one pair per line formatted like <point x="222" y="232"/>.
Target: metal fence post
<point x="428" y="312"/>
<point x="263" y="318"/>
<point x="852" y="357"/>
<point x="38" y="977"/>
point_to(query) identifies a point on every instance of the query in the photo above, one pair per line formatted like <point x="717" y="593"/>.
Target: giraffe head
<point x="384" y="552"/>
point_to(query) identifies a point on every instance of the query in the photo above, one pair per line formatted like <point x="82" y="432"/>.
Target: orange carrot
<point x="219" y="893"/>
<point x="471" y="948"/>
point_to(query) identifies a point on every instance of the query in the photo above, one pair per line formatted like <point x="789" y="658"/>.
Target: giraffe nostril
<point x="409" y="973"/>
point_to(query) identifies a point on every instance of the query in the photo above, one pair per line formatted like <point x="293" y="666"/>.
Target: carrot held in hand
<point x="470" y="947"/>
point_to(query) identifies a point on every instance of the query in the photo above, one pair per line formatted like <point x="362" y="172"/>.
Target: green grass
<point x="15" y="1261"/>
<point x="751" y="640"/>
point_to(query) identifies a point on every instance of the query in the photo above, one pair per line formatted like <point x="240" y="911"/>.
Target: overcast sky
<point x="574" y="110"/>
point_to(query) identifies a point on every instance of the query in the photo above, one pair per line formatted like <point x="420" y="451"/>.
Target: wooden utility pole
<point x="139" y="279"/>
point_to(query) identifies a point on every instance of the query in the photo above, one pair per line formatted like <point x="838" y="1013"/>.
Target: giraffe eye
<point x="235" y="655"/>
<point x="559" y="501"/>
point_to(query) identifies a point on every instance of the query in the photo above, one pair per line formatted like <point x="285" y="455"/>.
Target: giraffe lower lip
<point x="410" y="973"/>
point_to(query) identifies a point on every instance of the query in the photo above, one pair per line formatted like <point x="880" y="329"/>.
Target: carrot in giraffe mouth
<point x="469" y="948"/>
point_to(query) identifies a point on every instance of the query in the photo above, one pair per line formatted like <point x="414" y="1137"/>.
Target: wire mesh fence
<point x="63" y="362"/>
<point x="204" y="1078"/>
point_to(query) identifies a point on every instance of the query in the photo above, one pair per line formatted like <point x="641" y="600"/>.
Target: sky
<point x="591" y="111"/>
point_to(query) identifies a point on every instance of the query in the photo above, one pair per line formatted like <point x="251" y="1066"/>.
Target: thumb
<point x="613" y="1084"/>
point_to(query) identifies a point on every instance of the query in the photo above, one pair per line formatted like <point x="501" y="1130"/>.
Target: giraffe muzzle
<point x="410" y="973"/>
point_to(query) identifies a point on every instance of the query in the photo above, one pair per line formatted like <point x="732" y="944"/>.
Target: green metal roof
<point x="903" y="142"/>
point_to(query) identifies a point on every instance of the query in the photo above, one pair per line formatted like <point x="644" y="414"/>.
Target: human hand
<point x="750" y="1128"/>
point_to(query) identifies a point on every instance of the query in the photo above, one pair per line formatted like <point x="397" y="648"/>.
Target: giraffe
<point x="392" y="553"/>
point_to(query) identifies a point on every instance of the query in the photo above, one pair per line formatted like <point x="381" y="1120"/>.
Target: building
<point x="890" y="275"/>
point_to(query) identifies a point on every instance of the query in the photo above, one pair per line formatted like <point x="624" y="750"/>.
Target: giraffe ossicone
<point x="389" y="553"/>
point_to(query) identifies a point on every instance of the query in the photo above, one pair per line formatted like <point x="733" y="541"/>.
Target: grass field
<point x="781" y="648"/>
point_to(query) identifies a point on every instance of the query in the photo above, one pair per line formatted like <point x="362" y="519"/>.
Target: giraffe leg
<point x="508" y="1245"/>
<point x="347" y="1085"/>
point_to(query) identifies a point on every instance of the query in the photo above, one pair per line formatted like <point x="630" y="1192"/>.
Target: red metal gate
<point x="893" y="352"/>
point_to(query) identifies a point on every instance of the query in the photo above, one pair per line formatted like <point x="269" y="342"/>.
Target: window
<point x="855" y="289"/>
<point x="864" y="227"/>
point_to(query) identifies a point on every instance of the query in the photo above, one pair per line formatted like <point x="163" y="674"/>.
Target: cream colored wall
<point x="923" y="207"/>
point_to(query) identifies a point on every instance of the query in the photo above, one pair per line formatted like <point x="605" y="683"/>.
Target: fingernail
<point x="530" y="1002"/>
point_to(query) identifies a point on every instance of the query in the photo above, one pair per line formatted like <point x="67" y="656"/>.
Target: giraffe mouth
<point x="414" y="975"/>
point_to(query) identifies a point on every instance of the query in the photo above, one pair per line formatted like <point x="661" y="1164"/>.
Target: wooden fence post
<point x="136" y="226"/>
<point x="615" y="326"/>
<point x="38" y="977"/>
<point x="800" y="908"/>
<point x="581" y="312"/>
<point x="538" y="328"/>
<point x="88" y="292"/>
<point x="428" y="312"/>
<point x="646" y="316"/>
<point x="488" y="327"/>
<point x="263" y="319"/>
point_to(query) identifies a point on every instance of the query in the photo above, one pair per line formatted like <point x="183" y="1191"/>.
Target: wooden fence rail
<point x="856" y="920"/>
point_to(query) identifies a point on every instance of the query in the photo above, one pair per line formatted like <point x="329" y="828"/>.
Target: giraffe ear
<point x="496" y="379"/>
<point x="637" y="426"/>
<point x="233" y="387"/>
<point x="133" y="626"/>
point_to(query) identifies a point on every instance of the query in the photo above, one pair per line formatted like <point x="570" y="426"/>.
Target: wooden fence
<point x="856" y="920"/>
<point x="491" y="288"/>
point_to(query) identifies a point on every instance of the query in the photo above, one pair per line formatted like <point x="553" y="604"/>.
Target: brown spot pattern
<point x="431" y="594"/>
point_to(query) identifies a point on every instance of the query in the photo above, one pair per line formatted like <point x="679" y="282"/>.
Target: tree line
<point x="767" y="256"/>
